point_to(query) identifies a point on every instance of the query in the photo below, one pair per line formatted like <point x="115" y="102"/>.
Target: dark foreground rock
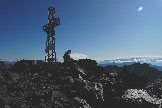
<point x="73" y="85"/>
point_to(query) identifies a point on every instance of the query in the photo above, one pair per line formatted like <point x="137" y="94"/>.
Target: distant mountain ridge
<point x="150" y="60"/>
<point x="8" y="62"/>
<point x="153" y="61"/>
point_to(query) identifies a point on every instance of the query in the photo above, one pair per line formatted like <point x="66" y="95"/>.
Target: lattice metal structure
<point x="51" y="41"/>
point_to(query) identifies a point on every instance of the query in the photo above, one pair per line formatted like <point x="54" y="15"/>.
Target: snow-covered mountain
<point x="8" y="62"/>
<point x="151" y="60"/>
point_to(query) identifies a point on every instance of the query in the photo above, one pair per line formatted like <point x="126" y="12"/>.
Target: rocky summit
<point x="75" y="84"/>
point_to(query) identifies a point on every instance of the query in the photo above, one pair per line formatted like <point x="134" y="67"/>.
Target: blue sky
<point x="96" y="28"/>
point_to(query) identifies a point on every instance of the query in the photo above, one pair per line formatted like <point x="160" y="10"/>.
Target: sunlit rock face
<point x="141" y="95"/>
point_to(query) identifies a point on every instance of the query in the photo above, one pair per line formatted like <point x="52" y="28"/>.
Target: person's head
<point x="69" y="51"/>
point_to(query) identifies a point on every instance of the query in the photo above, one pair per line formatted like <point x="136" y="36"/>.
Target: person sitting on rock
<point x="67" y="56"/>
